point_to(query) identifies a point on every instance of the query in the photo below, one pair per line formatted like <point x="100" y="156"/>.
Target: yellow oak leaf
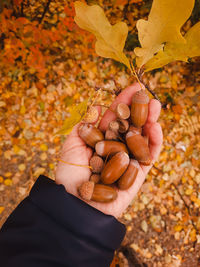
<point x="163" y="26"/>
<point x="77" y="113"/>
<point x="110" y="39"/>
<point x="177" y="51"/>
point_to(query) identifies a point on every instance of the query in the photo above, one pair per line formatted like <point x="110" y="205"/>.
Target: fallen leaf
<point x="22" y="167"/>
<point x="8" y="182"/>
<point x="51" y="166"/>
<point x="110" y="39"/>
<point x="8" y="174"/>
<point x="43" y="156"/>
<point x="43" y="147"/>
<point x="177" y="109"/>
<point x="39" y="171"/>
<point x="1" y="209"/>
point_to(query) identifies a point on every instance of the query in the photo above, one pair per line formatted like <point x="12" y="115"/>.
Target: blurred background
<point x="47" y="64"/>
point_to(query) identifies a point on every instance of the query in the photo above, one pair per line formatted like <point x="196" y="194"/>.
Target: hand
<point x="76" y="151"/>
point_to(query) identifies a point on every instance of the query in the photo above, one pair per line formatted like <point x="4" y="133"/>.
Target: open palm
<point x="77" y="152"/>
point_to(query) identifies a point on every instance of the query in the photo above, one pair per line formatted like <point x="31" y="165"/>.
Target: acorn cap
<point x="123" y="111"/>
<point x="123" y="125"/>
<point x="141" y="97"/>
<point x="96" y="163"/>
<point x="86" y="190"/>
<point x="91" y="115"/>
<point x="114" y="126"/>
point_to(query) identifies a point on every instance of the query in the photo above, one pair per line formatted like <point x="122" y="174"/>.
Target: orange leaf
<point x="17" y="2"/>
<point x="177" y="109"/>
<point x="121" y="2"/>
<point x="135" y="1"/>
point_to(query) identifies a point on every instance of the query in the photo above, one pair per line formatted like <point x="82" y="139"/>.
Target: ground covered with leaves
<point x="42" y="75"/>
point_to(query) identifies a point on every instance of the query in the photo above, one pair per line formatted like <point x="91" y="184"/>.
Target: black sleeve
<point x="54" y="228"/>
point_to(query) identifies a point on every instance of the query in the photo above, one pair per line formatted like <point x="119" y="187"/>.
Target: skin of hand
<point x="75" y="151"/>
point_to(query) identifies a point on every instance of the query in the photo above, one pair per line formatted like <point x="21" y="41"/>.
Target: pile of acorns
<point x="112" y="162"/>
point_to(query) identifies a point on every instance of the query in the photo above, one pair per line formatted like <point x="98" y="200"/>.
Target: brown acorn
<point x="90" y="134"/>
<point x="107" y="147"/>
<point x="129" y="176"/>
<point x="138" y="147"/>
<point x="97" y="192"/>
<point x="139" y="108"/>
<point x="134" y="129"/>
<point x="115" y="167"/>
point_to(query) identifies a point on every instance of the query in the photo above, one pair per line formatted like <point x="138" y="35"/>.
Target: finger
<point x="124" y="97"/>
<point x="154" y="111"/>
<point x="153" y="115"/>
<point x="154" y="131"/>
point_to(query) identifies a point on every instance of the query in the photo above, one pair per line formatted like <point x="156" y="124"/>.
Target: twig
<point x="132" y="258"/>
<point x="135" y="74"/>
<point x="139" y="75"/>
<point x="152" y="92"/>
<point x="186" y="205"/>
<point x="157" y="168"/>
<point x="101" y="105"/>
<point x="22" y="9"/>
<point x="45" y="10"/>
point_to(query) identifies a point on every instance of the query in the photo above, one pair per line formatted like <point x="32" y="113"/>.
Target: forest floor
<point x="163" y="223"/>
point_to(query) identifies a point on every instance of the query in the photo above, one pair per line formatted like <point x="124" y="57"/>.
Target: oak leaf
<point x="77" y="113"/>
<point x="110" y="39"/>
<point x="173" y="52"/>
<point x="163" y="25"/>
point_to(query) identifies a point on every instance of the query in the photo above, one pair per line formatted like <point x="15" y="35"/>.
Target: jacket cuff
<point x="76" y="215"/>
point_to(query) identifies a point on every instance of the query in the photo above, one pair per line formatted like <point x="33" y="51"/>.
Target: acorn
<point x="138" y="147"/>
<point x="107" y="147"/>
<point x="115" y="167"/>
<point x="110" y="135"/>
<point x="123" y="125"/>
<point x="91" y="115"/>
<point x="123" y="111"/>
<point x="97" y="192"/>
<point x="134" y="129"/>
<point x="114" y="126"/>
<point x="139" y="108"/>
<point x="96" y="163"/>
<point x="129" y="176"/>
<point x="90" y="134"/>
<point x="95" y="178"/>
